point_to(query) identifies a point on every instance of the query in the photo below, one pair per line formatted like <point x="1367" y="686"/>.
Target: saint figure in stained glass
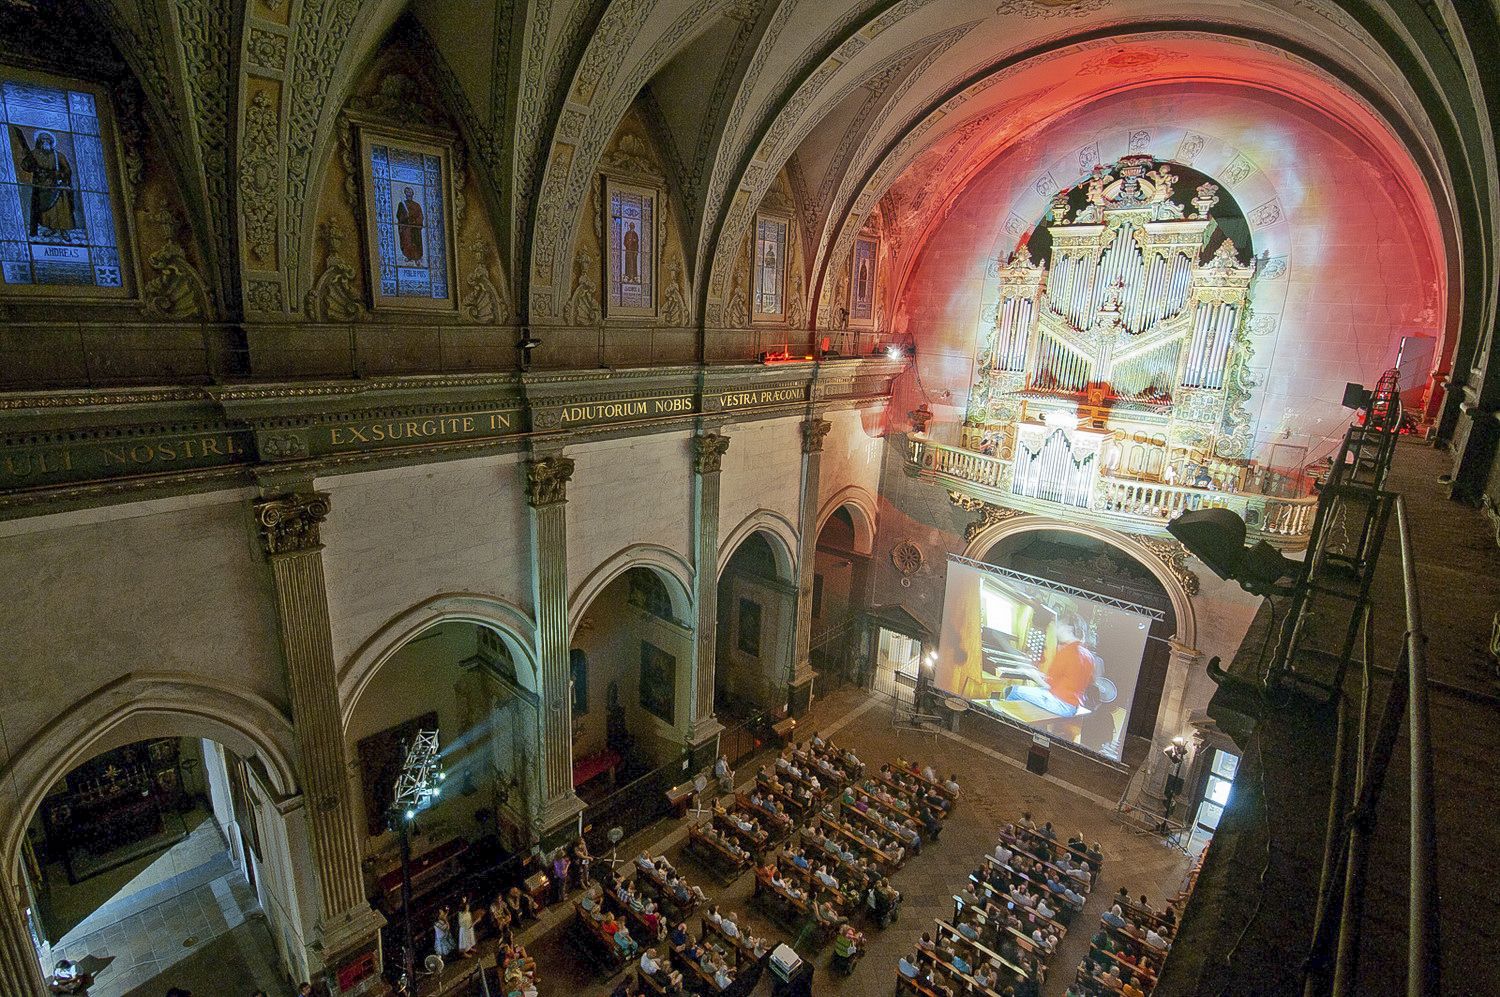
<point x="409" y="226"/>
<point x="51" y="178"/>
<point x="57" y="220"/>
<point x="632" y="254"/>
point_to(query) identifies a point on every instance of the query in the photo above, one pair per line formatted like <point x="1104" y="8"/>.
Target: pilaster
<point x="799" y="685"/>
<point x="20" y="972"/>
<point x="708" y="457"/>
<point x="289" y="532"/>
<point x="1169" y="719"/>
<point x="547" y="495"/>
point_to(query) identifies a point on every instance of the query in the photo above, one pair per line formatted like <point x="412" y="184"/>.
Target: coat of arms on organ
<point x="1118" y="350"/>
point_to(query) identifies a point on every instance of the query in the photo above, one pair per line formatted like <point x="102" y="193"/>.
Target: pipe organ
<point x="1126" y="330"/>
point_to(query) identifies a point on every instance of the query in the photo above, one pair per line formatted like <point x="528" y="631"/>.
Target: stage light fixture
<point x="1217" y="538"/>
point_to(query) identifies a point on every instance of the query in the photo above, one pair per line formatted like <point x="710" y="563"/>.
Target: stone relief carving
<point x="708" y="452"/>
<point x="259" y="183"/>
<point x="1174" y="556"/>
<point x="485" y="300"/>
<point x="178" y="291"/>
<point x="547" y="481"/>
<point x="813" y="431"/>
<point x="674" y="307"/>
<point x="332" y="297"/>
<point x="289" y="523"/>
<point x="264" y="295"/>
<point x="989" y="515"/>
<point x="737" y="307"/>
<point x="583" y="302"/>
<point x="266" y="49"/>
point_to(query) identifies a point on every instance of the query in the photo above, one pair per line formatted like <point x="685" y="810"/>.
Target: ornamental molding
<point x="547" y="481"/>
<point x="813" y="432"/>
<point x="708" y="452"/>
<point x="289" y="523"/>
<point x="1174" y="556"/>
<point x="989" y="515"/>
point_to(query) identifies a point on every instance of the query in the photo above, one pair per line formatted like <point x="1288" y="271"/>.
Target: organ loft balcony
<point x="1113" y="375"/>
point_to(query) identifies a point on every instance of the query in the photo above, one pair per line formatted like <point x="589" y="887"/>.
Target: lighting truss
<point x="421" y="779"/>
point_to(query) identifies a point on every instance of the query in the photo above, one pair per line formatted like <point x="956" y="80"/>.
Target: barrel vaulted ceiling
<point x="867" y="106"/>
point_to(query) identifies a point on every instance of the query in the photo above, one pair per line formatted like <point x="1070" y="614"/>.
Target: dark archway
<point x="757" y="604"/>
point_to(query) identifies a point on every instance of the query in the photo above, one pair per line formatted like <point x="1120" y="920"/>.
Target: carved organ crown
<point x="1127" y="310"/>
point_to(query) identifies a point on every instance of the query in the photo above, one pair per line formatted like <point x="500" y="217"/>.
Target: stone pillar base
<point x="559" y="818"/>
<point x="349" y="945"/>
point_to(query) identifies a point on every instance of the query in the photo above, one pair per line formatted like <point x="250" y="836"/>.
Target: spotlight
<point x="1217" y="538"/>
<point x="893" y="352"/>
<point x="411" y="814"/>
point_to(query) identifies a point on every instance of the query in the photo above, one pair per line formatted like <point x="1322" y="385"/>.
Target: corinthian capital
<point x="813" y="431"/>
<point x="289" y="523"/>
<point x="547" y="481"/>
<point x="708" y="452"/>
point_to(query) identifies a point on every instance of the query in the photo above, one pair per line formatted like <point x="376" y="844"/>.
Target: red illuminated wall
<point x="1361" y="261"/>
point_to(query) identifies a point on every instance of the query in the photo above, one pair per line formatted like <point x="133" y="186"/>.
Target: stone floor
<point x="181" y="902"/>
<point x="997" y="788"/>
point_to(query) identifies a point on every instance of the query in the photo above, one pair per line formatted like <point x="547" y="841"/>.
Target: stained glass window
<point x="411" y="241"/>
<point x="632" y="250"/>
<point x="862" y="281"/>
<point x="770" y="267"/>
<point x="57" y="222"/>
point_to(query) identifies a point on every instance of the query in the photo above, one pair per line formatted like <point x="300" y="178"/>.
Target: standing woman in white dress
<point x="465" y="928"/>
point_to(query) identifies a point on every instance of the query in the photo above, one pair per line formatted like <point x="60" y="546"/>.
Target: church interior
<point x="634" y="497"/>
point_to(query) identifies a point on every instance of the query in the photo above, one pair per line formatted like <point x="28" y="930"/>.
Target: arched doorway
<point x="841" y="585"/>
<point x="756" y="628"/>
<point x="631" y="660"/>
<point x="154" y="861"/>
<point x="473" y="683"/>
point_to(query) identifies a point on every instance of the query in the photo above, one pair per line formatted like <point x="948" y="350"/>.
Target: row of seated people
<point x="796" y="899"/>
<point x="1034" y="857"/>
<point x="1020" y="937"/>
<point x="1007" y="921"/>
<point x="672" y="891"/>
<point x="881" y="899"/>
<point x="835" y="765"/>
<point x="724" y="958"/>
<point x="878" y="809"/>
<point x="1127" y="952"/>
<point x="923" y="782"/>
<point x="942" y="970"/>
<point x="1041" y="841"/>
<point x="720" y="850"/>
<point x="853" y="837"/>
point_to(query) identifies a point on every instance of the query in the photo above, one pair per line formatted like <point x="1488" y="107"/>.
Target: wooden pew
<point x="1058" y="900"/>
<point x="721" y="860"/>
<point x="599" y="946"/>
<point x="915" y="771"/>
<point x="860" y="843"/>
<point x="1021" y="846"/>
<point x="981" y="952"/>
<point x="992" y="914"/>
<point x="779" y="825"/>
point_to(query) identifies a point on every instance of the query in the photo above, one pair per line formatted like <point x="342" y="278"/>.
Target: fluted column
<point x="20" y="972"/>
<point x="799" y="691"/>
<point x="289" y="531"/>
<point x="708" y="457"/>
<point x="547" y="495"/>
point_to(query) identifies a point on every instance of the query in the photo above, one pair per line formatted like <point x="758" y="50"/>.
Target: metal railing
<point x="1337" y="928"/>
<point x="1134" y="505"/>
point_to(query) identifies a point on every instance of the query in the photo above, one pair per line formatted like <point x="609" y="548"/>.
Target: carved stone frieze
<point x="813" y="432"/>
<point x="260" y="184"/>
<point x="266" y="49"/>
<point x="674" y="306"/>
<point x="289" y="523"/>
<point x="547" y="481"/>
<point x="332" y="297"/>
<point x="708" y="452"/>
<point x="485" y="299"/>
<point x="1174" y="556"/>
<point x="989" y="515"/>
<point x="177" y="291"/>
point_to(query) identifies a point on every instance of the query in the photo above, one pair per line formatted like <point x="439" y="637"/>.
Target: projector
<point x="785" y="962"/>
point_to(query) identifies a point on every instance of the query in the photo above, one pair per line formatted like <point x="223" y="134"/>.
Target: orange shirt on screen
<point x="1070" y="671"/>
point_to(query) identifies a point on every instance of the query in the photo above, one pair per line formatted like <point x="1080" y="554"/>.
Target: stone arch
<point x="670" y="566"/>
<point x="777" y="528"/>
<point x="861" y="505"/>
<point x="1182" y="603"/>
<point x="513" y="626"/>
<point x="135" y="707"/>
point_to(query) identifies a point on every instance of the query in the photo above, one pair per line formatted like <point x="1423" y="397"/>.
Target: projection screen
<point x="1046" y="656"/>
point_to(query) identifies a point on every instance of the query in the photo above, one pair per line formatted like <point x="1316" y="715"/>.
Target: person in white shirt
<point x="730" y="928"/>
<point x="1043" y="910"/>
<point x="1003" y="854"/>
<point x="1155" y="940"/>
<point x="929" y="773"/>
<point x="649" y="966"/>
